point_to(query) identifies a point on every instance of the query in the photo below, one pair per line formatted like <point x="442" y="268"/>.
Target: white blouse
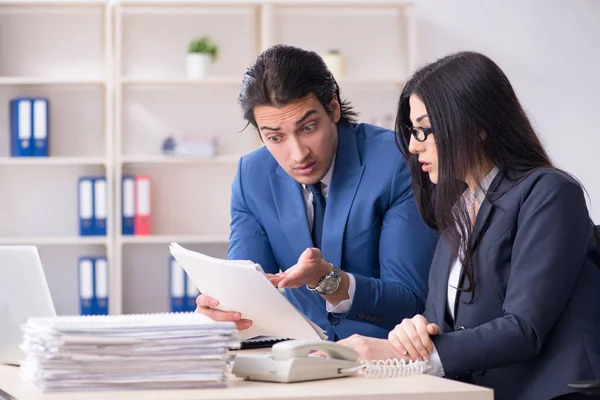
<point x="455" y="273"/>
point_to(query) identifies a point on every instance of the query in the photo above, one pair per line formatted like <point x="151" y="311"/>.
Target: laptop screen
<point x="24" y="293"/>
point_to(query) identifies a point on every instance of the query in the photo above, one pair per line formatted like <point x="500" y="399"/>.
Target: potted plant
<point x="201" y="52"/>
<point x="335" y="63"/>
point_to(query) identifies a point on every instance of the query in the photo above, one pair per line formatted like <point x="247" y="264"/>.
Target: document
<point x="145" y="351"/>
<point x="242" y="286"/>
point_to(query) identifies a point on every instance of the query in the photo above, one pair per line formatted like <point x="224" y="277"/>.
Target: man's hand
<point x="369" y="348"/>
<point x="412" y="337"/>
<point x="308" y="271"/>
<point x="276" y="278"/>
<point x="204" y="307"/>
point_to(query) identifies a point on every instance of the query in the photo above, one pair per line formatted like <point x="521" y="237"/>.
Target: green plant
<point x="204" y="45"/>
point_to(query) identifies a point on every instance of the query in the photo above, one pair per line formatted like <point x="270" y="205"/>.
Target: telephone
<point x="291" y="361"/>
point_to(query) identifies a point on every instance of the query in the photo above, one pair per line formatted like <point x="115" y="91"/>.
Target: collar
<point x="479" y="196"/>
<point x="485" y="185"/>
<point x="480" y="192"/>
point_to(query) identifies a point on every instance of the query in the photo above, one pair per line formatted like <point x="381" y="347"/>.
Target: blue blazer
<point x="372" y="229"/>
<point x="534" y="321"/>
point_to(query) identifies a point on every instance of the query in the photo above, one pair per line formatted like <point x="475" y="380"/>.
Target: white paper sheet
<point x="242" y="286"/>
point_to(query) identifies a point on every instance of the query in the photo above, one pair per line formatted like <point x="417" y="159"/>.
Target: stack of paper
<point x="242" y="286"/>
<point x="146" y="351"/>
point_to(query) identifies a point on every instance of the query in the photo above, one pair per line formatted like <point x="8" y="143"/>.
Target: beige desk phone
<point x="291" y="361"/>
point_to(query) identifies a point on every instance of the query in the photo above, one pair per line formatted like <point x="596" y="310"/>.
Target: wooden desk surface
<point x="421" y="387"/>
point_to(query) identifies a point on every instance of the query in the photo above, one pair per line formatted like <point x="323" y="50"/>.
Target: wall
<point x="550" y="51"/>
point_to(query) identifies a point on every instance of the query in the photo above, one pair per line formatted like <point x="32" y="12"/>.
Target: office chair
<point x="591" y="389"/>
<point x="587" y="389"/>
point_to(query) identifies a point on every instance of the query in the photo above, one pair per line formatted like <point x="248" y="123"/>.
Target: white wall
<point x="550" y="51"/>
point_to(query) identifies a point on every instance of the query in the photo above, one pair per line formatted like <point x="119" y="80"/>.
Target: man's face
<point x="301" y="136"/>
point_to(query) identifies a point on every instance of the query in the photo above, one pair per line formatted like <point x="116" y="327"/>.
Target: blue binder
<point x="86" y="206"/>
<point x="86" y="286"/>
<point x="127" y="204"/>
<point x="100" y="286"/>
<point x="100" y="206"/>
<point x="41" y="126"/>
<point x="21" y="127"/>
<point x="177" y="284"/>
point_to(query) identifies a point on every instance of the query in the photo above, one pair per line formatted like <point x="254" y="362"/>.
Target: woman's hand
<point x="369" y="348"/>
<point x="412" y="337"/>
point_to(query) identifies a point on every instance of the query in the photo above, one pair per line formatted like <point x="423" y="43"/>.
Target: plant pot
<point x="335" y="64"/>
<point x="197" y="65"/>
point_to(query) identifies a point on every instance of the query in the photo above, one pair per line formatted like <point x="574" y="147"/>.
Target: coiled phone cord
<point x="391" y="368"/>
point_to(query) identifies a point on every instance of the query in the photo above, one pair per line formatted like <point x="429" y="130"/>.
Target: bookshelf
<point x="126" y="81"/>
<point x="167" y="239"/>
<point x="154" y="99"/>
<point x="161" y="159"/>
<point x="51" y="161"/>
<point x="61" y="50"/>
<point x="54" y="241"/>
<point x="8" y="81"/>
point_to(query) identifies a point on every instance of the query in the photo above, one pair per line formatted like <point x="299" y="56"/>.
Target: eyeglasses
<point x="420" y="134"/>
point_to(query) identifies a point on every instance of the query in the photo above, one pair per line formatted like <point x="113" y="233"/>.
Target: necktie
<point x="318" y="201"/>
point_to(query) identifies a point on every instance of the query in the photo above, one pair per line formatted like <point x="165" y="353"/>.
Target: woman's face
<point x="426" y="150"/>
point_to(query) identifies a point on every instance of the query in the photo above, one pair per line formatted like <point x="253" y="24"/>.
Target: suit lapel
<point x="484" y="213"/>
<point x="347" y="174"/>
<point x="444" y="261"/>
<point x="481" y="222"/>
<point x="291" y="210"/>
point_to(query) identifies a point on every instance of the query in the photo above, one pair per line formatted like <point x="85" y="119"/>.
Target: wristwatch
<point x="329" y="283"/>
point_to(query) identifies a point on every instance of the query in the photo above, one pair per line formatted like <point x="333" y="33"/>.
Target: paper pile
<point x="146" y="351"/>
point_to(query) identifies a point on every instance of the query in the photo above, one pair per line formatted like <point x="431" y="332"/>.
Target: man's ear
<point x="336" y="109"/>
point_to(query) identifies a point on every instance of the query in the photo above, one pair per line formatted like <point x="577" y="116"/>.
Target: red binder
<point x="142" y="220"/>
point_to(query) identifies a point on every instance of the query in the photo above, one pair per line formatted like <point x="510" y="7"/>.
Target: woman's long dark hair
<point x="476" y="118"/>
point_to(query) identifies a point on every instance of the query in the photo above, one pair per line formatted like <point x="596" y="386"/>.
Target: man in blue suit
<point x="326" y="206"/>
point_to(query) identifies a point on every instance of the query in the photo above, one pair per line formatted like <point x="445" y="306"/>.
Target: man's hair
<point x="284" y="74"/>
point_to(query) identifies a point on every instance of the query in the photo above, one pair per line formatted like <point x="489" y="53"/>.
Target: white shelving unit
<point x="48" y="81"/>
<point x="213" y="81"/>
<point x="167" y="239"/>
<point x="61" y="50"/>
<point x="114" y="71"/>
<point x="154" y="100"/>
<point x="54" y="241"/>
<point x="161" y="159"/>
<point x="52" y="161"/>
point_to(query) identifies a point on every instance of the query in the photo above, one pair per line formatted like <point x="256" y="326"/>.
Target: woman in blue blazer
<point x="514" y="286"/>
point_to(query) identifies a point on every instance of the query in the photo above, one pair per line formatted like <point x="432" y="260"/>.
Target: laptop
<point x="24" y="293"/>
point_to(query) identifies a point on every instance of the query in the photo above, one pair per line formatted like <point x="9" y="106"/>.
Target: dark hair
<point x="284" y="74"/>
<point x="476" y="117"/>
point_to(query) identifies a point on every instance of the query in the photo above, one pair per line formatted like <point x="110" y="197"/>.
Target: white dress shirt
<point x="343" y="306"/>
<point x="454" y="278"/>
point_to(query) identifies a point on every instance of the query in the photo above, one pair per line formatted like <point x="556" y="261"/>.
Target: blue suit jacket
<point x="372" y="229"/>
<point x="534" y="323"/>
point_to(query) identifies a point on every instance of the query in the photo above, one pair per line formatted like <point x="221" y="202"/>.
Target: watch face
<point x="329" y="285"/>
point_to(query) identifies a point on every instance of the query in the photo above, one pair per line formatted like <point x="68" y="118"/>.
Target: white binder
<point x="100" y="206"/>
<point x="25" y="131"/>
<point x="86" y="285"/>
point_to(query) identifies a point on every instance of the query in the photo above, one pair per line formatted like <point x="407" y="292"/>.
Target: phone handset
<point x="304" y="348"/>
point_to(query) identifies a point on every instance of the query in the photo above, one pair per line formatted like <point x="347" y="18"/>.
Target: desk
<point x="420" y="387"/>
